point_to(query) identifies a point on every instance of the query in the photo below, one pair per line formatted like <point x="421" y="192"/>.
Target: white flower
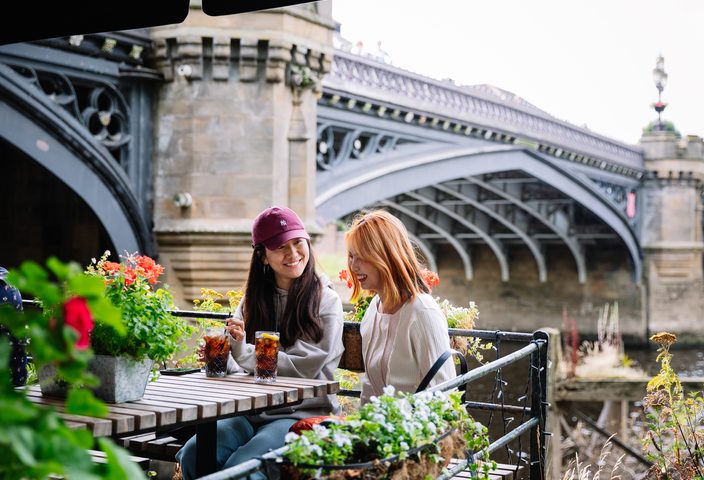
<point x="290" y="437"/>
<point x="316" y="450"/>
<point x="321" y="431"/>
<point x="341" y="440"/>
<point x="389" y="390"/>
<point x="431" y="426"/>
<point x="373" y="399"/>
<point x="424" y="396"/>
<point x="404" y="446"/>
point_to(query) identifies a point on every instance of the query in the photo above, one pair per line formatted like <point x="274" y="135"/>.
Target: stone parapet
<point x="245" y="47"/>
<point x="246" y="59"/>
<point x="668" y="156"/>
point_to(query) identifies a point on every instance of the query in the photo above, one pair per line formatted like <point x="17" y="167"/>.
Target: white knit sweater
<point x="421" y="337"/>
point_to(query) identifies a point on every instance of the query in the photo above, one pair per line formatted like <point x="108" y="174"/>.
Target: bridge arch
<point x="355" y="185"/>
<point x="43" y="131"/>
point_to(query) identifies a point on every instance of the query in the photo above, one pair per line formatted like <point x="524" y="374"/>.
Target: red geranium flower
<point x="77" y="316"/>
<point x="149" y="268"/>
<point x="111" y="268"/>
<point x="345" y="276"/>
<point x="431" y="278"/>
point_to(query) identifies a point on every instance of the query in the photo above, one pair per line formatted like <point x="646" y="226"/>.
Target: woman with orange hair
<point x="403" y="330"/>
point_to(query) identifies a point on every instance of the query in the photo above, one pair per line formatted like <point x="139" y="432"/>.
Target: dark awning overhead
<point x="38" y="19"/>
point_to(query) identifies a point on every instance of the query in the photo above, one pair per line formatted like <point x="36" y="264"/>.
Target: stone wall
<point x="671" y="233"/>
<point x="235" y="133"/>
<point x="524" y="304"/>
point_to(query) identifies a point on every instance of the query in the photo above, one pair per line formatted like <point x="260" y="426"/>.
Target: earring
<point x="266" y="269"/>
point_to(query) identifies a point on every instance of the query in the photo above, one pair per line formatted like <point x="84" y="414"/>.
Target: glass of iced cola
<point x="216" y="352"/>
<point x="266" y="349"/>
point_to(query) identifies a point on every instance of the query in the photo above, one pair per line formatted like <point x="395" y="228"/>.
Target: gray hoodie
<point x="304" y="358"/>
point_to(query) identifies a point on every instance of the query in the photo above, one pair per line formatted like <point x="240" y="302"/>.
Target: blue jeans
<point x="239" y="440"/>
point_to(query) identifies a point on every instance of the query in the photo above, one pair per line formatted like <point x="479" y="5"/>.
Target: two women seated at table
<point x="284" y="294"/>
<point x="403" y="330"/>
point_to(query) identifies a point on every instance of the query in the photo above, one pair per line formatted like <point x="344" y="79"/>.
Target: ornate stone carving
<point x="162" y="61"/>
<point x="249" y="52"/>
<point x="185" y="56"/>
<point x="190" y="52"/>
<point x="221" y="58"/>
<point x="278" y="57"/>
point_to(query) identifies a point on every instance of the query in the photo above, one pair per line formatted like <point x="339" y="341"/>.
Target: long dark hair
<point x="300" y="319"/>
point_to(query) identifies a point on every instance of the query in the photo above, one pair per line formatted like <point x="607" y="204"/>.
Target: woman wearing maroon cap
<point x="284" y="294"/>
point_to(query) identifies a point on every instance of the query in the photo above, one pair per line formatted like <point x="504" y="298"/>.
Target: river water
<point x="687" y="361"/>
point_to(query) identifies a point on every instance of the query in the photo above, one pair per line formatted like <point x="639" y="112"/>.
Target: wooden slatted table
<point x="194" y="399"/>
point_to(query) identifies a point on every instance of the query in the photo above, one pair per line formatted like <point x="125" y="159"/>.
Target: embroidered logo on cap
<point x="283" y="222"/>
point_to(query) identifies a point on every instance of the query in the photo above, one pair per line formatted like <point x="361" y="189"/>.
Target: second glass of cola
<point x="266" y="349"/>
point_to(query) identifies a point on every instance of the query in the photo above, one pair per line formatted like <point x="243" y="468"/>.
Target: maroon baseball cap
<point x="276" y="226"/>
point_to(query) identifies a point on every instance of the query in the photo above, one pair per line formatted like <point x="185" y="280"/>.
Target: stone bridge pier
<point x="671" y="234"/>
<point x="235" y="133"/>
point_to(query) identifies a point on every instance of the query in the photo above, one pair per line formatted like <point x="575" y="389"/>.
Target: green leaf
<point x="106" y="313"/>
<point x="33" y="272"/>
<point x="81" y="401"/>
<point x="58" y="268"/>
<point x="87" y="286"/>
<point x="23" y="444"/>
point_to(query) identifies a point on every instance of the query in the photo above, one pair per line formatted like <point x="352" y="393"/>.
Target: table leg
<point x="206" y="448"/>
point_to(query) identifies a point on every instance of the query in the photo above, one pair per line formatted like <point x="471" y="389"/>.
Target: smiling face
<point x="367" y="274"/>
<point x="288" y="261"/>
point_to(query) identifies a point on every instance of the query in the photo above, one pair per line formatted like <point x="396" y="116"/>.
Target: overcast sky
<point x="588" y="62"/>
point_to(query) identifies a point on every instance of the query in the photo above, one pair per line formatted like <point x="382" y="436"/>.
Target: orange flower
<point x="431" y="278"/>
<point x="148" y="268"/>
<point x="111" y="268"/>
<point x="345" y="276"/>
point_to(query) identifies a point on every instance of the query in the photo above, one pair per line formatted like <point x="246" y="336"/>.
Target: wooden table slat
<point x="277" y="395"/>
<point x="174" y="400"/>
<point x="204" y="408"/>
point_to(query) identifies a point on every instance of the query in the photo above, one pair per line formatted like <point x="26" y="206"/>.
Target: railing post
<point x="538" y="405"/>
<point x="553" y="449"/>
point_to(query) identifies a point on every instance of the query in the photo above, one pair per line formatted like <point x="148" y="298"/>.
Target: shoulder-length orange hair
<point x="379" y="238"/>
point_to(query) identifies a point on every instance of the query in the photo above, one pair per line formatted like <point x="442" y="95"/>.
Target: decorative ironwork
<point x="337" y="144"/>
<point x="98" y="105"/>
<point x="615" y="193"/>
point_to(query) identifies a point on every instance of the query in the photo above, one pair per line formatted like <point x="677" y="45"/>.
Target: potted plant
<point x="34" y="440"/>
<point x="393" y="436"/>
<point x="125" y="357"/>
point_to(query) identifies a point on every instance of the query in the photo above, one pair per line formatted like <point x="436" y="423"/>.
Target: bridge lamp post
<point x="660" y="79"/>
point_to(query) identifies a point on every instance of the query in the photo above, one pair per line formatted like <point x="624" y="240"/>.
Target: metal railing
<point x="535" y="412"/>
